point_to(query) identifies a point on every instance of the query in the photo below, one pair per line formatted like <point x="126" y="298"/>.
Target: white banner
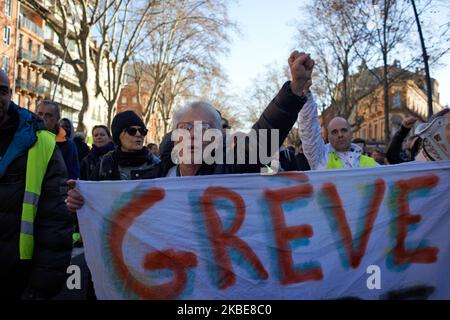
<point x="369" y="233"/>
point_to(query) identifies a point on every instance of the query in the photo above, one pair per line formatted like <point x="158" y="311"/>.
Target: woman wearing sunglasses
<point x="131" y="160"/>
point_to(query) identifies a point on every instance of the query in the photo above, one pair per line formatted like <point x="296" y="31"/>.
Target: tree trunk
<point x="425" y="61"/>
<point x="83" y="74"/>
<point x="387" y="131"/>
<point x="86" y="99"/>
<point x="387" y="134"/>
<point x="111" y="112"/>
<point x="345" y="111"/>
<point x="166" y="125"/>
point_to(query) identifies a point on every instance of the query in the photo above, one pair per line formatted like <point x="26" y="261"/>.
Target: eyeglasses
<point x="132" y="131"/>
<point x="190" y="125"/>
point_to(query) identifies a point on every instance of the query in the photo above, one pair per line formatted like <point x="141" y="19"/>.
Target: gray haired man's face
<point x="48" y="114"/>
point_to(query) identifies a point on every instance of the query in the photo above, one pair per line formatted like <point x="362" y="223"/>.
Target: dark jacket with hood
<point x="281" y="113"/>
<point x="69" y="153"/>
<point x="44" y="275"/>
<point x="82" y="149"/>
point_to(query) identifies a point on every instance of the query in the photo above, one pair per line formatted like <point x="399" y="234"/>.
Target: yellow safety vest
<point x="38" y="158"/>
<point x="335" y="163"/>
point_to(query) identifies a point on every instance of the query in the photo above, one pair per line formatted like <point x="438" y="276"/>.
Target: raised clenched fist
<point x="408" y="122"/>
<point x="301" y="66"/>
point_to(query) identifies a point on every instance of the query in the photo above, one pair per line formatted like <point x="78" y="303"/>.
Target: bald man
<point x="340" y="153"/>
<point x="35" y="224"/>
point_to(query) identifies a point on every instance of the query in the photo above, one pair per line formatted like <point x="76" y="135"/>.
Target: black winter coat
<point x="45" y="274"/>
<point x="394" y="153"/>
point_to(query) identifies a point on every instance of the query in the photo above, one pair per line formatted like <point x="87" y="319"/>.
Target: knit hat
<point x="124" y="120"/>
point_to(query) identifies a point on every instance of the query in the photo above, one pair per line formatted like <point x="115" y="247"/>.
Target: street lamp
<point x="425" y="60"/>
<point x="76" y="61"/>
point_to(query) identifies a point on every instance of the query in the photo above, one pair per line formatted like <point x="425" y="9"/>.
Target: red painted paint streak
<point x="293" y="176"/>
<point x="419" y="255"/>
<point x="220" y="239"/>
<point x="177" y="261"/>
<point x="354" y="255"/>
<point x="284" y="234"/>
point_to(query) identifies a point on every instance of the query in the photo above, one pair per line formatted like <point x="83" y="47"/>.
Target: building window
<point x="30" y="46"/>
<point x="124" y="100"/>
<point x="7" y="35"/>
<point x="396" y="100"/>
<point x="48" y="33"/>
<point x="39" y="53"/>
<point x="19" y="72"/>
<point x="5" y="64"/>
<point x="8" y="7"/>
<point x="20" y="42"/>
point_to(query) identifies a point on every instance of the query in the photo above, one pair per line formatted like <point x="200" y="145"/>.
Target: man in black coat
<point x="50" y="112"/>
<point x="34" y="268"/>
<point x="394" y="153"/>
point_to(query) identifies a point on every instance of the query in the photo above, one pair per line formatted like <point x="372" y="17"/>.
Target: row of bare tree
<point x="347" y="37"/>
<point x="172" y="46"/>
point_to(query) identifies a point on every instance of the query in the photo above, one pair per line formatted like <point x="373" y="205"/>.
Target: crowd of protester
<point x="36" y="244"/>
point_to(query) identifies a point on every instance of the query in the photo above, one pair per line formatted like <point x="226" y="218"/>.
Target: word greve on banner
<point x="361" y="233"/>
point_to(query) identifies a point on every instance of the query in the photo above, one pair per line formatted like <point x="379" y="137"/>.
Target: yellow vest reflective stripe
<point x="38" y="158"/>
<point x="335" y="163"/>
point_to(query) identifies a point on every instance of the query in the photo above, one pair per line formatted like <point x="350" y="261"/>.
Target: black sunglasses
<point x="132" y="131"/>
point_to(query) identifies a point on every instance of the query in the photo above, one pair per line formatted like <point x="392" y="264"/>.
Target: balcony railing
<point x="25" y="55"/>
<point x="40" y="59"/>
<point x="28" y="24"/>
<point x="24" y="85"/>
<point x="28" y="56"/>
<point x="65" y="74"/>
<point x="30" y="87"/>
<point x="41" y="90"/>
